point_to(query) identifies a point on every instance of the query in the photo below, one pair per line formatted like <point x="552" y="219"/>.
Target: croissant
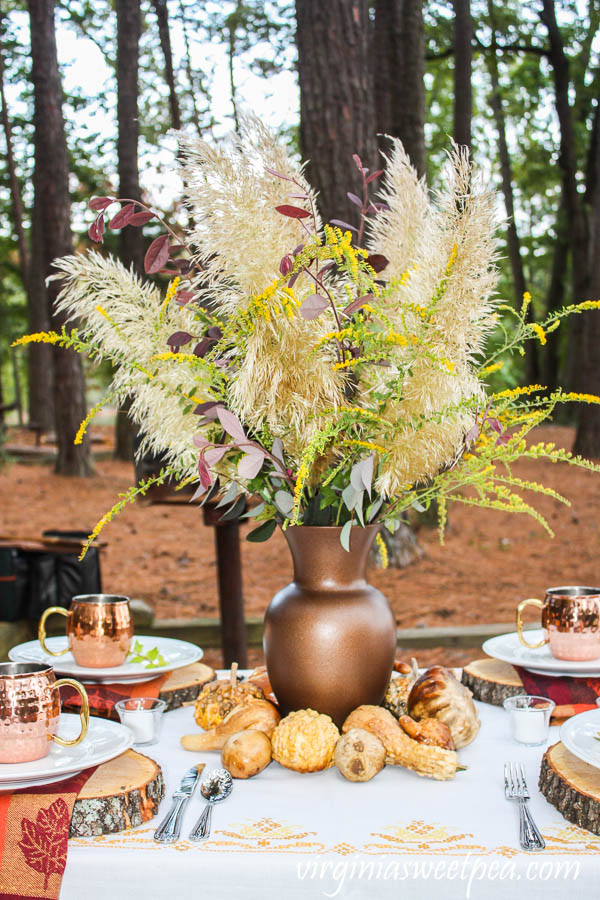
<point x="401" y="750"/>
<point x="259" y="715"/>
<point x="439" y="695"/>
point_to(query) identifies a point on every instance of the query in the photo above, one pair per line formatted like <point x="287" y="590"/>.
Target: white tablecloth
<point x="284" y="835"/>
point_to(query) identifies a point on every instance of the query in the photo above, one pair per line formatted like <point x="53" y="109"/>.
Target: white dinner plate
<point x="564" y="673"/>
<point x="104" y="741"/>
<point x="581" y="736"/>
<point x="509" y="648"/>
<point x="176" y="653"/>
<point x="9" y="786"/>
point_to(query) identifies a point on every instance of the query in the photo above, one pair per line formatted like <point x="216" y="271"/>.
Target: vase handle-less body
<point x="330" y="637"/>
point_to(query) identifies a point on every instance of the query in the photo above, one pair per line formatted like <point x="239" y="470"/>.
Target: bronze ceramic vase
<point x="329" y="637"/>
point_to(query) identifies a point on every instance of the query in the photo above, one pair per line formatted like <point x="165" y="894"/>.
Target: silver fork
<point x="515" y="788"/>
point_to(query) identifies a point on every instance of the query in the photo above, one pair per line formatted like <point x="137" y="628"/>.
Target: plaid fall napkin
<point x="103" y="697"/>
<point x="34" y="834"/>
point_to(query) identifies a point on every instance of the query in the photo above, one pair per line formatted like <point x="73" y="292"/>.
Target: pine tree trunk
<point x="532" y="373"/>
<point x="568" y="156"/>
<point x="39" y="356"/>
<point x="463" y="58"/>
<point x="555" y="298"/>
<point x="398" y="52"/>
<point x="583" y="217"/>
<point x="131" y="243"/>
<point x="398" y="58"/>
<point x="587" y="441"/>
<point x="336" y="106"/>
<point x="189" y="71"/>
<point x="53" y="229"/>
<point x="162" y="15"/>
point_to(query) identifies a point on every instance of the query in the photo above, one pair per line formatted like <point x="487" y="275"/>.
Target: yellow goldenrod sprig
<point x="368" y="445"/>
<point x="171" y="291"/>
<point x="40" y="337"/>
<point x="93" y="411"/>
<point x="138" y="490"/>
<point x="494" y="367"/>
<point x="511" y="393"/>
<point x="539" y="332"/>
<point x="583" y="398"/>
<point x="383" y="551"/>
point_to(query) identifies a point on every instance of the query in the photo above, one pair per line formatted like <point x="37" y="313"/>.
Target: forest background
<point x="90" y="91"/>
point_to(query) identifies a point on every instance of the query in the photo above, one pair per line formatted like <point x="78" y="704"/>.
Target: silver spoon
<point x="216" y="786"/>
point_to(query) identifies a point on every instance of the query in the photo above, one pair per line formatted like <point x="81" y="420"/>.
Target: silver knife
<point x="170" y="828"/>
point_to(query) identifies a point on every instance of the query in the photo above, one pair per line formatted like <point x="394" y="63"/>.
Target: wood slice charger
<point x="183" y="685"/>
<point x="121" y="794"/>
<point x="572" y="786"/>
<point x="127" y="791"/>
<point x="492" y="680"/>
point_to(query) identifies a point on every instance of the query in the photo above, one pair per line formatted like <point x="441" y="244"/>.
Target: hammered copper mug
<point x="99" y="630"/>
<point x="30" y="711"/>
<point x="571" y="622"/>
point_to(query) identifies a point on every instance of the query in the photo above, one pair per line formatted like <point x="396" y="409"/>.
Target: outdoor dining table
<point x="283" y="834"/>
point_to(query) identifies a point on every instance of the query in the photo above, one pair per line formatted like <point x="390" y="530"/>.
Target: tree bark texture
<point x="512" y="236"/>
<point x="398" y="57"/>
<point x="587" y="441"/>
<point x="131" y="241"/>
<point x="53" y="230"/>
<point x="162" y="17"/>
<point x="463" y="59"/>
<point x="555" y="298"/>
<point x="492" y="681"/>
<point x="129" y="25"/>
<point x="568" y="156"/>
<point x="121" y="794"/>
<point x="189" y="70"/>
<point x="584" y="231"/>
<point x="39" y="356"/>
<point x="336" y="107"/>
<point x="571" y="786"/>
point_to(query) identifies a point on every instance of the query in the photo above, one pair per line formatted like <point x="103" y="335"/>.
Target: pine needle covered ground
<point x="165" y="555"/>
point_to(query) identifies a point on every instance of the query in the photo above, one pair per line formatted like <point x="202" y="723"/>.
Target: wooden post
<point x="229" y="575"/>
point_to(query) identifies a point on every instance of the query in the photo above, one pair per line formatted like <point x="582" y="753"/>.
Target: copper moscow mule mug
<point x="99" y="628"/>
<point x="30" y="710"/>
<point x="571" y="622"/>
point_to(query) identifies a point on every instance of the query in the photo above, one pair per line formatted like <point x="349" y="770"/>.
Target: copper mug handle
<point x="520" y="609"/>
<point x="84" y="715"/>
<point x="42" y="629"/>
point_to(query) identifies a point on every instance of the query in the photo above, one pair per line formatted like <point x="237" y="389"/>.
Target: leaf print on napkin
<point x="44" y="842"/>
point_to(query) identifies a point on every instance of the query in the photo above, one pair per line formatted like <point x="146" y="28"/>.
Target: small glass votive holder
<point x="530" y="718"/>
<point x="143" y="715"/>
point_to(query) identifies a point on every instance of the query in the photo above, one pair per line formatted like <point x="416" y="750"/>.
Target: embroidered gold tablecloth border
<point x="412" y="838"/>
